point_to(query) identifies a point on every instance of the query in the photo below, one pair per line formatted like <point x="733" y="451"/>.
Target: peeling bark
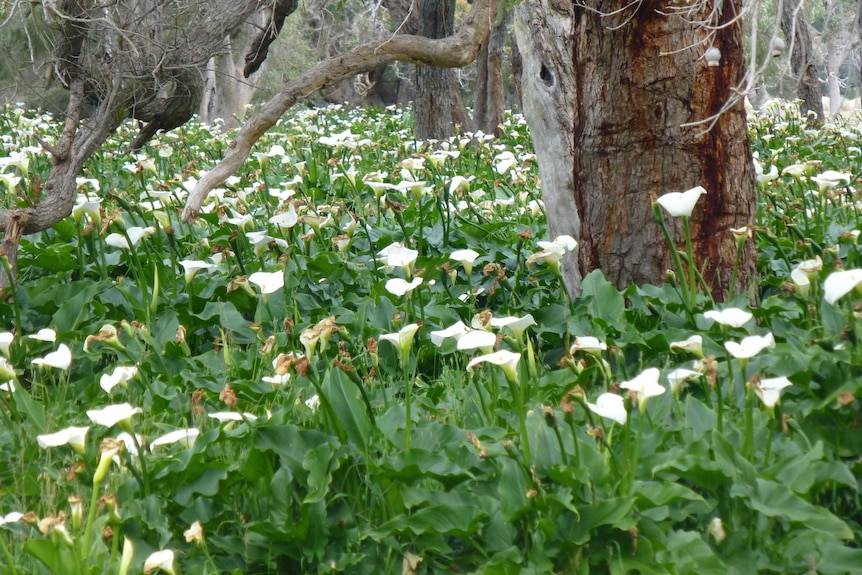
<point x="622" y="88"/>
<point x="802" y="63"/>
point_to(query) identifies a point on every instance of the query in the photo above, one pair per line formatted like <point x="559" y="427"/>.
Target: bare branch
<point x="452" y="52"/>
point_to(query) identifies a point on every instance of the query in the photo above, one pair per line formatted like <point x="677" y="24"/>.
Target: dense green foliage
<point x="304" y="439"/>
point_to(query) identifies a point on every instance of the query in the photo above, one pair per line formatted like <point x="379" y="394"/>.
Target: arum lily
<point x="228" y="416"/>
<point x="646" y="385"/>
<point x="195" y="533"/>
<point x="6" y="370"/>
<point x="6" y="340"/>
<point x="192" y="267"/>
<point x="465" y="258"/>
<point x="313" y="403"/>
<point x="831" y="179"/>
<point x="134" y="233"/>
<point x="76" y="437"/>
<point x="399" y="287"/>
<point x="397" y="256"/>
<point x="402" y="340"/>
<point x="113" y="414"/>
<point x="60" y="359"/>
<point x="456" y="331"/>
<point x="750" y="346"/>
<point x="693" y="344"/>
<point x="716" y="530"/>
<point x="678" y="377"/>
<point x="120" y="376"/>
<point x="733" y="317"/>
<point x="588" y="344"/>
<point x="163" y="560"/>
<point x="811" y="267"/>
<point x="840" y="283"/>
<point x="477" y="339"/>
<point x="268" y="282"/>
<point x="769" y="390"/>
<point x="517" y="325"/>
<point x="107" y="334"/>
<point x="681" y="204"/>
<point x="610" y="406"/>
<point x="185" y="437"/>
<point x="12" y="517"/>
<point x="44" y="334"/>
<point x="504" y="161"/>
<point x="507" y="360"/>
<point x="286" y="219"/>
<point x="801" y="281"/>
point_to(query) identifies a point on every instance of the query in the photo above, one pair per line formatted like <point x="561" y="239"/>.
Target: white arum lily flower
<point x="801" y="281"/>
<point x="517" y="325"/>
<point x="456" y="330"/>
<point x="402" y="340"/>
<point x="459" y="182"/>
<point x="504" y="161"/>
<point x="286" y="219"/>
<point x="840" y="283"/>
<point x="465" y="258"/>
<point x="397" y="256"/>
<point x="477" y="339"/>
<point x="9" y="386"/>
<point x="646" y="385"/>
<point x="750" y="346"/>
<point x="313" y="403"/>
<point x="185" y="437"/>
<point x="769" y="390"/>
<point x="681" y="204"/>
<point x="129" y="442"/>
<point x="732" y="316"/>
<point x="611" y="406"/>
<point x="163" y="560"/>
<point x="120" y="376"/>
<point x="831" y="179"/>
<point x="268" y="282"/>
<point x="505" y="359"/>
<point x="191" y="267"/>
<point x="693" y="344"/>
<point x="134" y="233"/>
<point x="716" y="530"/>
<point x="553" y="252"/>
<point x="6" y="340"/>
<point x="767" y="177"/>
<point x="44" y="334"/>
<point x="73" y="436"/>
<point x="399" y="287"/>
<point x="60" y="359"/>
<point x="13" y="517"/>
<point x="113" y="414"/>
<point x="6" y="370"/>
<point x="588" y="344"/>
<point x="227" y="416"/>
<point x="678" y="377"/>
<point x="811" y="267"/>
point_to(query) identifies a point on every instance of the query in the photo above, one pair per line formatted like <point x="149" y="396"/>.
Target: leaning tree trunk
<point x="625" y="90"/>
<point x="432" y="110"/>
<point x="802" y="64"/>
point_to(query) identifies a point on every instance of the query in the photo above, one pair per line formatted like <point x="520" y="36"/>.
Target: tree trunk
<point x="432" y="115"/>
<point x="623" y="87"/>
<point x="802" y="64"/>
<point x="488" y="108"/>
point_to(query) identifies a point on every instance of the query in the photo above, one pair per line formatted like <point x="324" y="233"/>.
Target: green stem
<point x="691" y="266"/>
<point x="8" y="555"/>
<point x="676" y="261"/>
<point x="405" y="362"/>
<point x="636" y="454"/>
<point x="91" y="517"/>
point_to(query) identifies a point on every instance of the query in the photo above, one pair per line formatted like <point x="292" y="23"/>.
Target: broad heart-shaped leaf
<point x="75" y="310"/>
<point x="206" y="484"/>
<point x="229" y="318"/>
<point x="641" y="560"/>
<point x="462" y="521"/>
<point x="775" y="500"/>
<point x="57" y="558"/>
<point x="689" y="553"/>
<point x="615" y="512"/>
<point x="658" y="493"/>
<point x="607" y="302"/>
<point x="35" y="410"/>
<point x="349" y="408"/>
<point x="414" y="464"/>
<point x="291" y="443"/>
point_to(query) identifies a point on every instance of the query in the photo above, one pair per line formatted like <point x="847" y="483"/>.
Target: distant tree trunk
<point x="226" y="92"/>
<point x="606" y="98"/>
<point x="432" y="114"/>
<point x="834" y="57"/>
<point x="488" y="108"/>
<point x="802" y="64"/>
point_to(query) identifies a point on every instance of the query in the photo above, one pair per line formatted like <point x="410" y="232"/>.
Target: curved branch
<point x="451" y="52"/>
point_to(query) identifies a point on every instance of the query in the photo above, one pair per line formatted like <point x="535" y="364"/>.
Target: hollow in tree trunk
<point x="802" y="64"/>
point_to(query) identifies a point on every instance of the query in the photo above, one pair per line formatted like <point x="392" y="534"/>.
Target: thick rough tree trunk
<point x="433" y="107"/>
<point x="622" y="88"/>
<point x="802" y="64"/>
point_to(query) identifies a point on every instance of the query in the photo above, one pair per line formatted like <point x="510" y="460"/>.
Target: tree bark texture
<point x="432" y="109"/>
<point x="488" y="107"/>
<point x="637" y="78"/>
<point x="802" y="63"/>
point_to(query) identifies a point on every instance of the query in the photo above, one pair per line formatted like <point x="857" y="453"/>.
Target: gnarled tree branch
<point x="451" y="52"/>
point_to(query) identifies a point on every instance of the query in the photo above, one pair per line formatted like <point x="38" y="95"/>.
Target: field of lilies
<point x="361" y="359"/>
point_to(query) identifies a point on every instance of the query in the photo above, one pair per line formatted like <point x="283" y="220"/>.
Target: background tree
<point x="637" y="112"/>
<point x="803" y="65"/>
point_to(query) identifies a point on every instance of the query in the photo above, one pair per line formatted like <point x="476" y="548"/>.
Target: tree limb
<point x="452" y="52"/>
